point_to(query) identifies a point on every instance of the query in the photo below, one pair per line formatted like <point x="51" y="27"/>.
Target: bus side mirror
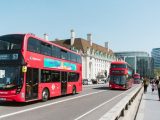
<point x="24" y="69"/>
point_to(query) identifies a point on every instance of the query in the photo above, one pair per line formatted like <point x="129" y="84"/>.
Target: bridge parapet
<point x="127" y="108"/>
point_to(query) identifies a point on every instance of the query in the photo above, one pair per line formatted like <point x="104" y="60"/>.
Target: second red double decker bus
<point x="32" y="68"/>
<point x="137" y="77"/>
<point x="120" y="75"/>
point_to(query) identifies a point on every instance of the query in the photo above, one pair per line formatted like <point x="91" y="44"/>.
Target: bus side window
<point x="69" y="56"/>
<point x="55" y="76"/>
<point x="46" y="49"/>
<point x="79" y="59"/>
<point x="33" y="45"/>
<point x="64" y="54"/>
<point x="45" y="76"/>
<point x="73" y="57"/>
<point x="73" y="77"/>
<point x="56" y="52"/>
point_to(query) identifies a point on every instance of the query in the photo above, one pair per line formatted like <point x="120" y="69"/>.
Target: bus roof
<point x="41" y="39"/>
<point x="119" y="62"/>
<point x="47" y="41"/>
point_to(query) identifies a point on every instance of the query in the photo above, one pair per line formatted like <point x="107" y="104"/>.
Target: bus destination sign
<point x="9" y="56"/>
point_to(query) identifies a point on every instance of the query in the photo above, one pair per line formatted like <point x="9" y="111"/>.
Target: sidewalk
<point x="150" y="106"/>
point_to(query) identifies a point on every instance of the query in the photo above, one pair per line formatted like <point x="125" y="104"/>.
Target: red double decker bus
<point x="32" y="68"/>
<point x="120" y="75"/>
<point x="136" y="77"/>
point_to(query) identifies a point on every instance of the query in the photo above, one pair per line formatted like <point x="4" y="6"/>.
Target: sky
<point x="128" y="25"/>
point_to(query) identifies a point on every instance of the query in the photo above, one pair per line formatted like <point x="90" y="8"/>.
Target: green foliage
<point x="157" y="72"/>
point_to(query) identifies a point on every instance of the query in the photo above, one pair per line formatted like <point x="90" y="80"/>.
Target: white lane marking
<point x="29" y="109"/>
<point x="101" y="105"/>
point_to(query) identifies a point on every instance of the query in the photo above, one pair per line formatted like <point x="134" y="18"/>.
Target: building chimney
<point x="56" y="39"/>
<point x="89" y="38"/>
<point x="46" y="36"/>
<point x="72" y="37"/>
<point x="107" y="45"/>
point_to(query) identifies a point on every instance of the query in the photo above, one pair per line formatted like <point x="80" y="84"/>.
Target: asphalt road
<point x="92" y="103"/>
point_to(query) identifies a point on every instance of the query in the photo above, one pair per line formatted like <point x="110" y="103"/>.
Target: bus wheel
<point x="45" y="95"/>
<point x="74" y="90"/>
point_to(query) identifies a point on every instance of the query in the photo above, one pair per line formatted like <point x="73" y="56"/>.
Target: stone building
<point x="96" y="59"/>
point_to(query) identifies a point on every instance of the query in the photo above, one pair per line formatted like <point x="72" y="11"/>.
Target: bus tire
<point x="45" y="95"/>
<point x="74" y="91"/>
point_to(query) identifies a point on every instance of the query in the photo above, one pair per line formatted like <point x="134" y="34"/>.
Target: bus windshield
<point x="118" y="66"/>
<point x="11" y="42"/>
<point x="121" y="80"/>
<point x="136" y="79"/>
<point x="10" y="77"/>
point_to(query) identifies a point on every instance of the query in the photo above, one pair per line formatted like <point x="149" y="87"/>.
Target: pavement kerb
<point x="140" y="113"/>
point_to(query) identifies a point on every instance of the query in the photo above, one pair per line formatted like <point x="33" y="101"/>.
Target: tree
<point x="157" y="72"/>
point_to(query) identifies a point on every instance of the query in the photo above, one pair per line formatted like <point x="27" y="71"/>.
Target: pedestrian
<point x="157" y="81"/>
<point x="158" y="87"/>
<point x="145" y="84"/>
<point x="153" y="86"/>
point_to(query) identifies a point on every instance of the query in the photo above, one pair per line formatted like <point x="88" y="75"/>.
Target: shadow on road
<point x="19" y="104"/>
<point x="102" y="88"/>
<point x="16" y="104"/>
<point x="151" y="99"/>
<point x="107" y="88"/>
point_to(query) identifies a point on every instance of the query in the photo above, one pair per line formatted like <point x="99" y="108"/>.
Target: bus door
<point x="63" y="83"/>
<point x="32" y="80"/>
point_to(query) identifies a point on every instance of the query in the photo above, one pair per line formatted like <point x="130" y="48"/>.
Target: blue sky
<point x="128" y="25"/>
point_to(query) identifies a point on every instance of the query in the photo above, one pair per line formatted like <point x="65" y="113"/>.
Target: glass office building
<point x="139" y="61"/>
<point x="156" y="56"/>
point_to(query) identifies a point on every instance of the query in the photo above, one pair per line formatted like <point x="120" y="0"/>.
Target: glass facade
<point x="140" y="62"/>
<point x="145" y="66"/>
<point x="131" y="61"/>
<point x="156" y="56"/>
<point x="138" y="54"/>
